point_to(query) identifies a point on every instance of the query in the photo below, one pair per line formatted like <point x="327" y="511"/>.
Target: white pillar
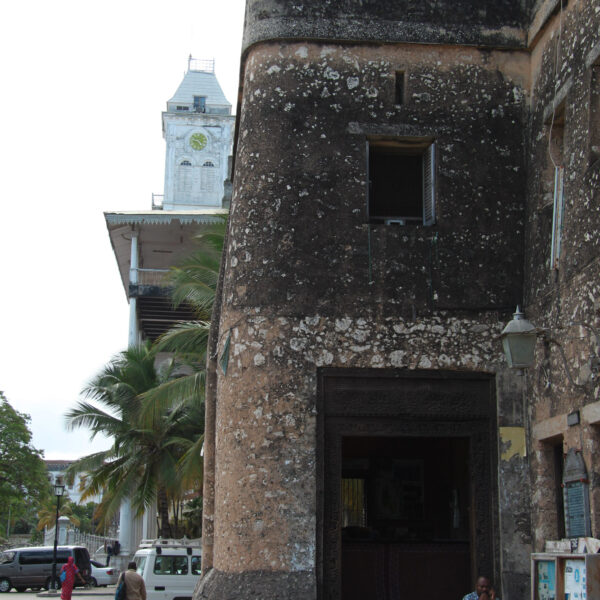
<point x="126" y="513"/>
<point x="63" y="524"/>
<point x="133" y="279"/>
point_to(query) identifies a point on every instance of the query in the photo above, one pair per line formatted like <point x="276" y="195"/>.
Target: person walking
<point x="71" y="572"/>
<point x="135" y="588"/>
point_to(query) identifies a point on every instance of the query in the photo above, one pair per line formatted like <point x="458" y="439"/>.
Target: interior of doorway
<point x="405" y="504"/>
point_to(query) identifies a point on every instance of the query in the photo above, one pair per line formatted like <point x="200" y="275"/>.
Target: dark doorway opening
<point x="405" y="505"/>
<point x="408" y="494"/>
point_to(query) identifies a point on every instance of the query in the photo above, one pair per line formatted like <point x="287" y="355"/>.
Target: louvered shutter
<point x="557" y="216"/>
<point x="429" y="186"/>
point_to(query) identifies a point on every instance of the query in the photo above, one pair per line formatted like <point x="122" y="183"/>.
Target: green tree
<point x="88" y="521"/>
<point x="156" y="418"/>
<point x="23" y="477"/>
<point x="141" y="464"/>
<point x="194" y="282"/>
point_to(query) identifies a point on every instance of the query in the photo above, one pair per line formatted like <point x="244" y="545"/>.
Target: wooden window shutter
<point x="429" y="186"/>
<point x="557" y="216"/>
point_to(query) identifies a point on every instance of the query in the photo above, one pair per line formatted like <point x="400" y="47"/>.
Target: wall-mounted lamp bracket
<point x="519" y="340"/>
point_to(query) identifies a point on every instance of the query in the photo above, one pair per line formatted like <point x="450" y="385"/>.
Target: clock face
<point x="198" y="141"/>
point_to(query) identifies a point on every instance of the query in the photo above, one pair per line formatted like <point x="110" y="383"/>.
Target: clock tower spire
<point x="197" y="127"/>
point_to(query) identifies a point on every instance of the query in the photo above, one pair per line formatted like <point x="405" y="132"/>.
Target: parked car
<point x="31" y="567"/>
<point x="103" y="575"/>
<point x="170" y="568"/>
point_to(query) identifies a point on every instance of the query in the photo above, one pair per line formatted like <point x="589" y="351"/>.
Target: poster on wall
<point x="575" y="580"/>
<point x="546" y="576"/>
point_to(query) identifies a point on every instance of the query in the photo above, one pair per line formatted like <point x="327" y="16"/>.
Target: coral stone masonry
<point x="405" y="174"/>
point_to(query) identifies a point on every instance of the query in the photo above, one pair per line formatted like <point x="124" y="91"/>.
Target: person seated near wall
<point x="483" y="591"/>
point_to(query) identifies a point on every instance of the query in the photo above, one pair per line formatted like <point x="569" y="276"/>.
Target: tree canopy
<point x="23" y="476"/>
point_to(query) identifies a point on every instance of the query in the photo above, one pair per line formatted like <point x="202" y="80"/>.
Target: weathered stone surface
<point x="564" y="90"/>
<point x="497" y="23"/>
<point x="315" y="252"/>
<point x="309" y="284"/>
<point x="266" y="585"/>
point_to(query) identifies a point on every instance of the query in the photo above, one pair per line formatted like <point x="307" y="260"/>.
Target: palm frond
<point x="171" y="394"/>
<point x="186" y="337"/>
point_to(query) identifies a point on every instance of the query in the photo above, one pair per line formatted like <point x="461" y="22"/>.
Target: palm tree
<point x="194" y="282"/>
<point x="141" y="463"/>
<point x="156" y="418"/>
<point x="47" y="514"/>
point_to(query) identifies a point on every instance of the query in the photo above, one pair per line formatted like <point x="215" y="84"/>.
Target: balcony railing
<point x="199" y="64"/>
<point x="155" y="277"/>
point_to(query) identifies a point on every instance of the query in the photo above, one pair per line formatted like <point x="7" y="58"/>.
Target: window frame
<point x="426" y="149"/>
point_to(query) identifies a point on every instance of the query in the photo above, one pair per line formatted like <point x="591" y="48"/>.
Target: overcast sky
<point x="83" y="87"/>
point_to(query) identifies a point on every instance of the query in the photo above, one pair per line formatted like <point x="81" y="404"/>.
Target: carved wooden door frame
<point x="381" y="402"/>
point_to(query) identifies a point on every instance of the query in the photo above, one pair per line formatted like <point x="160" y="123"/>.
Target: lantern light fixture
<point x="519" y="339"/>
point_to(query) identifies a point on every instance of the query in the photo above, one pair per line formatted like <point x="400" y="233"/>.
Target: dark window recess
<point x="183" y="108"/>
<point x="399" y="89"/>
<point x="558" y="492"/>
<point x="185" y="163"/>
<point x="208" y="163"/>
<point x="401" y="183"/>
<point x="200" y="104"/>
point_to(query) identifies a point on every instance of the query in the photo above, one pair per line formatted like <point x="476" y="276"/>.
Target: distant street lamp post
<point x="59" y="490"/>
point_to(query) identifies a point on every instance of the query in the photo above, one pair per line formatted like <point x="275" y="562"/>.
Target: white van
<point x="170" y="568"/>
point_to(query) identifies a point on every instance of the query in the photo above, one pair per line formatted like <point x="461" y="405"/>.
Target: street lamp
<point x="59" y="490"/>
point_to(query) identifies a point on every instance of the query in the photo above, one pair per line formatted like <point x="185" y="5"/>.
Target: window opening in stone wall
<point x="185" y="163"/>
<point x="399" y="88"/>
<point x="401" y="175"/>
<point x="183" y="108"/>
<point x="200" y="104"/>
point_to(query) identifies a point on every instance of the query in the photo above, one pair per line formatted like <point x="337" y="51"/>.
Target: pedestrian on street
<point x="71" y="572"/>
<point x="135" y="588"/>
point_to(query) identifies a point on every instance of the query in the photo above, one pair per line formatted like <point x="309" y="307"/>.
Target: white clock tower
<point x="198" y="128"/>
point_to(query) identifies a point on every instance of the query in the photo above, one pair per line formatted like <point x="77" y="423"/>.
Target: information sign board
<point x="546" y="584"/>
<point x="575" y="588"/>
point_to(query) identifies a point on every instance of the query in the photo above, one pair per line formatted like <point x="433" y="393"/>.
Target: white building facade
<point x="198" y="128"/>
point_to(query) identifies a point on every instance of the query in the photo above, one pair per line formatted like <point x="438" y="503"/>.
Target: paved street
<point x="101" y="593"/>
